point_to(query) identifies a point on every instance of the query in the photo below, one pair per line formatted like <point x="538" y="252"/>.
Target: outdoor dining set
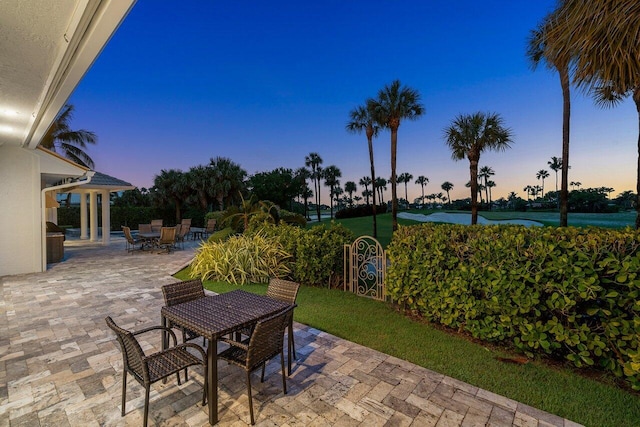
<point x="252" y="328"/>
<point x="154" y="237"/>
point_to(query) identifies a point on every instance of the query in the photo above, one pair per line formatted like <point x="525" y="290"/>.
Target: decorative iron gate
<point x="365" y="266"/>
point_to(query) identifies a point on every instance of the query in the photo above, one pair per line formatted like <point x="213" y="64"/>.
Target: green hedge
<point x="121" y="215"/>
<point x="317" y="253"/>
<point x="564" y="292"/>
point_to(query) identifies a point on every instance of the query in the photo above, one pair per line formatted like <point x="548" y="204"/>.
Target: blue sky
<point x="266" y="83"/>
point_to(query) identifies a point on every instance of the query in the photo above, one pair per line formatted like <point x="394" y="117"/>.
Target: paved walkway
<point x="61" y="366"/>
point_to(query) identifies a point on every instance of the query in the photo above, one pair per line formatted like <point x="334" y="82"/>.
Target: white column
<point x="106" y="217"/>
<point x="93" y="215"/>
<point x="83" y="216"/>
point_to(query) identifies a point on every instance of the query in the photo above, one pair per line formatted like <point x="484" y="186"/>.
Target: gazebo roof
<point x="105" y="182"/>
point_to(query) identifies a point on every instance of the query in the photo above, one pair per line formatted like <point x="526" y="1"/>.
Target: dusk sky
<point x="266" y="83"/>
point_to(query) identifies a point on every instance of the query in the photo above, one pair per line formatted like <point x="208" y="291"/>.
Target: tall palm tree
<point x="470" y="135"/>
<point x="302" y="174"/>
<point x="555" y="164"/>
<point x="484" y="173"/>
<point x="542" y="47"/>
<point x="422" y="181"/>
<point x="69" y="143"/>
<point x="350" y="188"/>
<point x="313" y="161"/>
<point x="490" y="185"/>
<point x="542" y="174"/>
<point x="381" y="186"/>
<point x="447" y="186"/>
<point x="365" y="181"/>
<point x="528" y="189"/>
<point x="394" y="104"/>
<point x="405" y="178"/>
<point x="331" y="175"/>
<point x="201" y="181"/>
<point x="362" y="119"/>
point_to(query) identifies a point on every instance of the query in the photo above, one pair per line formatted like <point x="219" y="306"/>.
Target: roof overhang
<point x="46" y="48"/>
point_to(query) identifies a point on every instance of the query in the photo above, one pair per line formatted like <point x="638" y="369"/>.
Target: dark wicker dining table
<point x="216" y="316"/>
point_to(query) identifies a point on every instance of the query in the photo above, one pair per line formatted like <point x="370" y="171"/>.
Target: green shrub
<point x="317" y="253"/>
<point x="240" y="259"/>
<point x="564" y="292"/>
<point x="221" y="235"/>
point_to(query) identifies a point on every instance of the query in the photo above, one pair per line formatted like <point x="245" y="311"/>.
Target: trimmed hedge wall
<point x="316" y="253"/>
<point x="569" y="293"/>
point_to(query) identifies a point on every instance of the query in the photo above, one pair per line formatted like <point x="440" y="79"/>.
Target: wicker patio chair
<point x="265" y="343"/>
<point x="177" y="293"/>
<point x="286" y="291"/>
<point x="157" y="366"/>
<point x="167" y="240"/>
<point x="132" y="242"/>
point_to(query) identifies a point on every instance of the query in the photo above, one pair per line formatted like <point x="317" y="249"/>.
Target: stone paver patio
<point x="61" y="366"/>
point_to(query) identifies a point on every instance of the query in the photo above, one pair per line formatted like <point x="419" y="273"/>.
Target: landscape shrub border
<point x="568" y="293"/>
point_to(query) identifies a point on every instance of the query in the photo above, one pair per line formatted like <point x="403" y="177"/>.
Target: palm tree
<point x="447" y="186"/>
<point x="331" y="175"/>
<point x="69" y="143"/>
<point x="362" y="119"/>
<point x="171" y="187"/>
<point x="227" y="180"/>
<point x="555" y="164"/>
<point x="350" y="188"/>
<point x="313" y="160"/>
<point x="366" y="194"/>
<point x="200" y="180"/>
<point x="543" y="47"/>
<point x="484" y="173"/>
<point x="490" y="185"/>
<point x="528" y="189"/>
<point x="422" y="181"/>
<point x="405" y="178"/>
<point x="576" y="184"/>
<point x="513" y="196"/>
<point x="302" y="174"/>
<point x="365" y="181"/>
<point x="381" y="185"/>
<point x="470" y="135"/>
<point x="542" y="174"/>
<point x="394" y="104"/>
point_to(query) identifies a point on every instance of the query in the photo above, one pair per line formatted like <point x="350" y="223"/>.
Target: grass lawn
<point x="376" y="325"/>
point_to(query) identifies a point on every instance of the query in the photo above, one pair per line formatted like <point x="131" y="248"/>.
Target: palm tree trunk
<point x="423" y="193"/>
<point x="566" y="115"/>
<point x="373" y="184"/>
<point x="317" y="188"/>
<point x="473" y="170"/>
<point x="394" y="195"/>
<point x="331" y="200"/>
<point x="636" y="99"/>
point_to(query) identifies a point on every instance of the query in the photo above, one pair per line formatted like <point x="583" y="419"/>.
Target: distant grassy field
<point x="364" y="226"/>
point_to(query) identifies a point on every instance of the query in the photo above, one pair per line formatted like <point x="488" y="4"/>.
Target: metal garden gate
<point x="365" y="266"/>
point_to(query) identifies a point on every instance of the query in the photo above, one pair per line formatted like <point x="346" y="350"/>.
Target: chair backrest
<point x="167" y="235"/>
<point x="132" y="354"/>
<point x="211" y="225"/>
<point x="267" y="338"/>
<point x="283" y="290"/>
<point x="144" y="228"/>
<point x="156" y="224"/>
<point x="186" y="221"/>
<point x="178" y="228"/>
<point x="127" y="235"/>
<point x="177" y="293"/>
<point x="184" y="230"/>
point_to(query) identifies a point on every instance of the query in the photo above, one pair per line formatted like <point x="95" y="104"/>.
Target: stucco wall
<point x="20" y="213"/>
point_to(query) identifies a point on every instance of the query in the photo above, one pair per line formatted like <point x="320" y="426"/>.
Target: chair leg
<point x="124" y="390"/>
<point x="293" y="345"/>
<point x="262" y="376"/>
<point x="250" y="399"/>
<point x="146" y="405"/>
<point x="284" y="377"/>
<point x="206" y="383"/>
